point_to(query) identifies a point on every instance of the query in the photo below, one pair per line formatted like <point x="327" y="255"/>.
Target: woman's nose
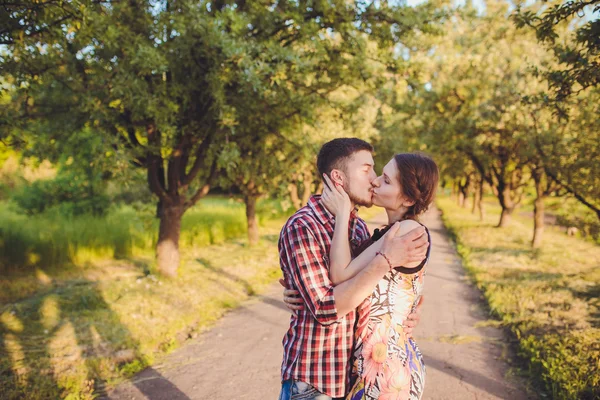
<point x="375" y="182"/>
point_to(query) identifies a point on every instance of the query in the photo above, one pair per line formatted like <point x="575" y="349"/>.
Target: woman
<point x="387" y="363"/>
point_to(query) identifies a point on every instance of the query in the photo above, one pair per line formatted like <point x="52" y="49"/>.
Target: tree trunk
<point x="167" y="248"/>
<point x="464" y="195"/>
<point x="480" y="200"/>
<point x="457" y="193"/>
<point x="320" y="187"/>
<point x="507" y="205"/>
<point x="475" y="201"/>
<point x="538" y="222"/>
<point x="505" y="217"/>
<point x="463" y="190"/>
<point x="461" y="199"/>
<point x="250" y="201"/>
<point x="307" y="184"/>
<point x="538" y="209"/>
<point x="293" y="189"/>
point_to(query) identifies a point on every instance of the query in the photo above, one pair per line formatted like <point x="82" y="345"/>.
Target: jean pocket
<point x="303" y="391"/>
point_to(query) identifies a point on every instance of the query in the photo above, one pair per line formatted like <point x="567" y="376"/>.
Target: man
<point x="319" y="342"/>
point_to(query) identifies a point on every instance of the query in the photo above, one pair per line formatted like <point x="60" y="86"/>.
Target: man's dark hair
<point x="335" y="153"/>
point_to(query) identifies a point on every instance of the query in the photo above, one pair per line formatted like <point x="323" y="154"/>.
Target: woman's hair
<point x="419" y="178"/>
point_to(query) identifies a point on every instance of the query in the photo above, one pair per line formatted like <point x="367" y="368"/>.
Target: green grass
<point x="83" y="334"/>
<point x="69" y="330"/>
<point x="548" y="298"/>
<point x="52" y="239"/>
<point x="34" y="250"/>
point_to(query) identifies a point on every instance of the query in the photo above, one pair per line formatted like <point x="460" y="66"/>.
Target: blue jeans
<point x="294" y="390"/>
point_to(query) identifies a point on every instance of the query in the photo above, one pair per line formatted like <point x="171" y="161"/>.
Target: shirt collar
<point x="322" y="213"/>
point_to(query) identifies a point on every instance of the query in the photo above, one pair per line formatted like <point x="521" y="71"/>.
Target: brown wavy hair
<point x="419" y="176"/>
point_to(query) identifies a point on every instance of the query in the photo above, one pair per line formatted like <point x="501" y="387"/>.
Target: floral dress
<point x="388" y="365"/>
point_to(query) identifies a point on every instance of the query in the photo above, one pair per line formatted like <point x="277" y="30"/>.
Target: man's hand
<point x="413" y="319"/>
<point x="291" y="298"/>
<point x="406" y="249"/>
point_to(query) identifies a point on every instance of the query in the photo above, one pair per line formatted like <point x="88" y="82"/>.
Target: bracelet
<point x="386" y="259"/>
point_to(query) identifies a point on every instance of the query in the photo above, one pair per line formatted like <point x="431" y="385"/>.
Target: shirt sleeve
<point x="307" y="263"/>
<point x="362" y="240"/>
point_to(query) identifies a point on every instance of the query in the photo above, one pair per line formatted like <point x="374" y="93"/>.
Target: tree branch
<point x="198" y="162"/>
<point x="564" y="185"/>
<point x="154" y="163"/>
<point x="174" y="167"/>
<point x="203" y="191"/>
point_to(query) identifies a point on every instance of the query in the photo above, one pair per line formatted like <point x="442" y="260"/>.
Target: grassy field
<point x="53" y="240"/>
<point x="38" y="249"/>
<point x="548" y="298"/>
<point x="68" y="332"/>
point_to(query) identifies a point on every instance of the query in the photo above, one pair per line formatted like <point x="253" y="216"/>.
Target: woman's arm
<point x="348" y="271"/>
<point x="341" y="265"/>
<point x="339" y="254"/>
<point x="343" y="272"/>
<point x="336" y="200"/>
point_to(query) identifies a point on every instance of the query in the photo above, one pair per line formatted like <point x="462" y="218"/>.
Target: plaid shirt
<point x="318" y="345"/>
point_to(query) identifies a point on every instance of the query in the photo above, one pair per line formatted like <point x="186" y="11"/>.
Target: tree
<point x="578" y="54"/>
<point x="169" y="82"/>
<point x="473" y="102"/>
<point x="571" y="150"/>
<point x="572" y="31"/>
<point x="466" y="104"/>
<point x="256" y="168"/>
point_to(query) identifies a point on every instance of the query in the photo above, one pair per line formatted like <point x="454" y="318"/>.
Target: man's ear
<point x="337" y="176"/>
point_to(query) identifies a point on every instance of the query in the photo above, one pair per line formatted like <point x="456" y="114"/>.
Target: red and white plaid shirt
<point x="318" y="345"/>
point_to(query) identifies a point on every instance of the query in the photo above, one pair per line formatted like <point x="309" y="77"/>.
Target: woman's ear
<point x="408" y="203"/>
<point x="337" y="176"/>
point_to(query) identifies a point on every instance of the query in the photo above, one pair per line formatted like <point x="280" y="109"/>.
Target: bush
<point x="267" y="209"/>
<point x="52" y="239"/>
<point x="5" y="191"/>
<point x="547" y="297"/>
<point x="56" y="237"/>
<point x="133" y="192"/>
<point x="571" y="213"/>
<point x="69" y="193"/>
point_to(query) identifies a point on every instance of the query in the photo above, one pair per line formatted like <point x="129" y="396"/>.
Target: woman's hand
<point x="336" y="199"/>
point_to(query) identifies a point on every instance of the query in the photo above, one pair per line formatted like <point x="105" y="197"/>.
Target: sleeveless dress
<point x="387" y="364"/>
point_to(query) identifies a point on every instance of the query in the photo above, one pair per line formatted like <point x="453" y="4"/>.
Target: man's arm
<point x="293" y="301"/>
<point x="309" y="273"/>
<point x="413" y="319"/>
<point x="311" y="276"/>
<point x="396" y="251"/>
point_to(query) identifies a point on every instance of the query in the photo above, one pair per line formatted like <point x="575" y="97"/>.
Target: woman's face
<point x="387" y="192"/>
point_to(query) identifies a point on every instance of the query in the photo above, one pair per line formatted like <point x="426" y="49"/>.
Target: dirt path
<point x="240" y="357"/>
